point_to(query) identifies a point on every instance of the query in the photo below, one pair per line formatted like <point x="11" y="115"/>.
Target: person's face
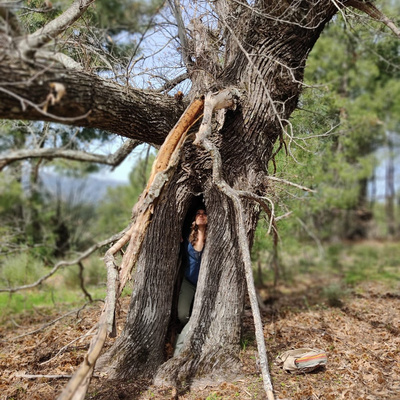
<point x="201" y="217"/>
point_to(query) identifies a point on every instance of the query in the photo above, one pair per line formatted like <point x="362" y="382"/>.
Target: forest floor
<point x="359" y="331"/>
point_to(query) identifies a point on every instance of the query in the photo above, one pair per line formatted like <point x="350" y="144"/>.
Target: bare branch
<point x="286" y="182"/>
<point x="172" y="83"/>
<point x="370" y="9"/>
<point x="82" y="283"/>
<point x="137" y="114"/>
<point x="176" y="9"/>
<point x="61" y="264"/>
<point x="77" y="310"/>
<point x="61" y="58"/>
<point x="69" y="344"/>
<point x="30" y="43"/>
<point x="42" y="376"/>
<point x="114" y="159"/>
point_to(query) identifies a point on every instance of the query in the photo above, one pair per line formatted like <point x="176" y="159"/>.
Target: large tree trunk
<point x="271" y="73"/>
<point x="266" y="47"/>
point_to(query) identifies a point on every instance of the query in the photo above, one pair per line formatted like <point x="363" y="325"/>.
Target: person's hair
<point x="194" y="230"/>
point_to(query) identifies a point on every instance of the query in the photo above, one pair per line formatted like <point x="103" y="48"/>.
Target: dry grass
<point x="362" y="340"/>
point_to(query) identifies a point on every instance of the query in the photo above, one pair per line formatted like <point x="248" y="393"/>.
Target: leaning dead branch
<point x="210" y="105"/>
<point x="163" y="167"/>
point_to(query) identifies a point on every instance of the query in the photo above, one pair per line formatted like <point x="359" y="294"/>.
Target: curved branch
<point x="368" y="8"/>
<point x="98" y="103"/>
<point x="61" y="264"/>
<point x="114" y="159"/>
<point x="214" y="102"/>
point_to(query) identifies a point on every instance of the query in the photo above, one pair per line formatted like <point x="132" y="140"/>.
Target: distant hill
<point x="77" y="190"/>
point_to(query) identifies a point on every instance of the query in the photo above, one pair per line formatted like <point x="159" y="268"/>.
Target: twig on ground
<point x="42" y="376"/>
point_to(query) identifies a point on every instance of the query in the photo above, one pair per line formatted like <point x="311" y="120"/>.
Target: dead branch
<point x="163" y="167"/>
<point x="242" y="236"/>
<point x="67" y="345"/>
<point x="61" y="58"/>
<point x="61" y="264"/>
<point x="176" y="9"/>
<point x="77" y="310"/>
<point x="25" y="376"/>
<point x="114" y="159"/>
<point x="286" y="182"/>
<point x="172" y="83"/>
<point x="34" y="41"/>
<point x="369" y="8"/>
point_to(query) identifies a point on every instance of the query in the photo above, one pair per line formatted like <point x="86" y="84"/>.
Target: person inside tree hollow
<point x="193" y="248"/>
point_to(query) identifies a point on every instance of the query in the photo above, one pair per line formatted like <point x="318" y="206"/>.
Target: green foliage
<point x="116" y="208"/>
<point x="20" y="269"/>
<point x="32" y="21"/>
<point x="354" y="95"/>
<point x="126" y="15"/>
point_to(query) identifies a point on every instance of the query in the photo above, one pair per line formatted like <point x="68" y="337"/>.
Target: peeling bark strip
<point x="163" y="167"/>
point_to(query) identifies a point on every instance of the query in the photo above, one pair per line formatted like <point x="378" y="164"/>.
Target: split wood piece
<point x="163" y="167"/>
<point x="205" y="129"/>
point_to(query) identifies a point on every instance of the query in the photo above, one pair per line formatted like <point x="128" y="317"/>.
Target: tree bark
<point x="266" y="48"/>
<point x="88" y="101"/>
<point x="270" y="74"/>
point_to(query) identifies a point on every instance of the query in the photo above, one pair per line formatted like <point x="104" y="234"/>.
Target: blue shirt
<point x="193" y="263"/>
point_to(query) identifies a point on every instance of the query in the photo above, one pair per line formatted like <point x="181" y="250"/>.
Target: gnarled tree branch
<point x="137" y="114"/>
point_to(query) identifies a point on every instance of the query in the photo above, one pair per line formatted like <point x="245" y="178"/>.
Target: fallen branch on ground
<point x="77" y="310"/>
